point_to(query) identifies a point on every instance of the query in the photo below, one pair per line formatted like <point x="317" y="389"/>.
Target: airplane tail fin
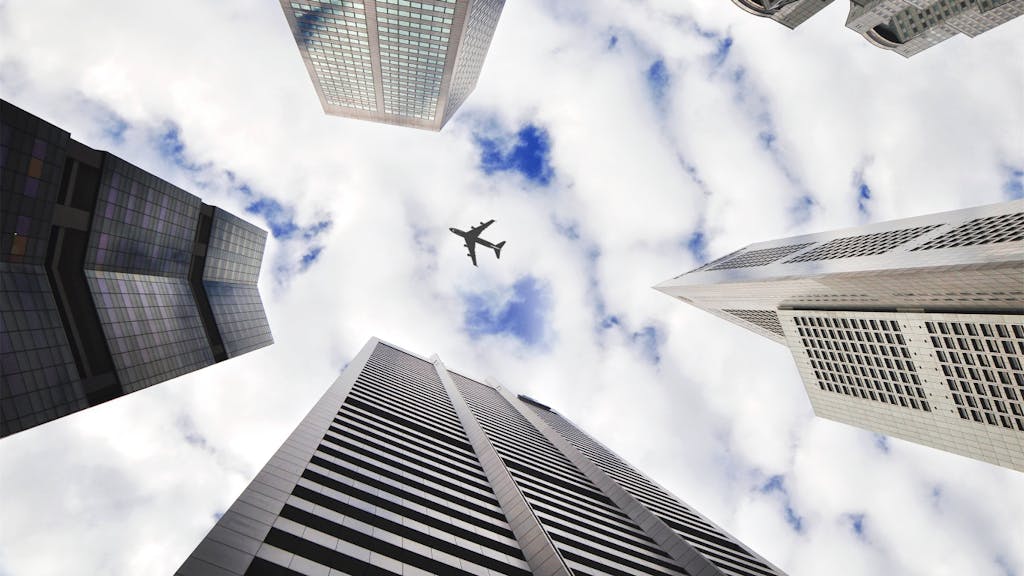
<point x="497" y="249"/>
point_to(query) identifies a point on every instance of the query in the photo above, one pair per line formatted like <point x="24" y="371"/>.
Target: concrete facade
<point x="905" y="27"/>
<point x="789" y="13"/>
<point x="912" y="328"/>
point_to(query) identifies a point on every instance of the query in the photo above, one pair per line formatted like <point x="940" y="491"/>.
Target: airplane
<point x="473" y="238"/>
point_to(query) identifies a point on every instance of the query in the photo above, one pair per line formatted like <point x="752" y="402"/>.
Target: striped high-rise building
<point x="111" y="279"/>
<point x="405" y="467"/>
<point x="393" y="61"/>
<point x="912" y="328"/>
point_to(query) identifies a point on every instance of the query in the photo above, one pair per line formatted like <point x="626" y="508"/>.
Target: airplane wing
<point x="471" y="246"/>
<point x="475" y="231"/>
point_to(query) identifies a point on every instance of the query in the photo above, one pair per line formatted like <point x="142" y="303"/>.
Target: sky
<point x="617" y="144"/>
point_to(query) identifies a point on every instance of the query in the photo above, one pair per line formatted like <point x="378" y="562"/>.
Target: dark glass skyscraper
<point x="111" y="279"/>
<point x="405" y="467"/>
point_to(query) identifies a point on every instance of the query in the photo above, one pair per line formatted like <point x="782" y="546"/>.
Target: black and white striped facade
<point x="404" y="467"/>
<point x="912" y="328"/>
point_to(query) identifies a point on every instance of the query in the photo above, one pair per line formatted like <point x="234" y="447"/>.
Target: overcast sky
<point x="617" y="144"/>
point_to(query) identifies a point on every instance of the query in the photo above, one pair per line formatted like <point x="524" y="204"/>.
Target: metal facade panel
<point x="405" y="467"/>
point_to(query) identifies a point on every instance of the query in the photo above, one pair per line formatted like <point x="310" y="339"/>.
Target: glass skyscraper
<point x="393" y="61"/>
<point x="406" y="467"/>
<point x="111" y="279"/>
<point x="912" y="328"/>
<point x="903" y="26"/>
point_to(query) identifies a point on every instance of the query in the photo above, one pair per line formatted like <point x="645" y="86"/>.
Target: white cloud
<point x="119" y="489"/>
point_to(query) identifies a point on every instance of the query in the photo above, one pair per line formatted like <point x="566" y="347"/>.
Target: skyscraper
<point x="907" y="27"/>
<point x="111" y="279"/>
<point x="903" y="26"/>
<point x="393" y="61"/>
<point x="912" y="328"/>
<point x="406" y="467"/>
<point x="789" y="13"/>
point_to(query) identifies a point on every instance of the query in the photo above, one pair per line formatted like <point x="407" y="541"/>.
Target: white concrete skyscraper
<point x="909" y="26"/>
<point x="789" y="13"/>
<point x="904" y="26"/>
<point x="405" y="467"/>
<point x="393" y="61"/>
<point x="912" y="328"/>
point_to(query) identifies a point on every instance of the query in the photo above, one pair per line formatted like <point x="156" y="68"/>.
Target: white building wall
<point x="964" y="266"/>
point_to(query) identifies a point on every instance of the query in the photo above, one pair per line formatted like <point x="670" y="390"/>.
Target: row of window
<point x="416" y="15"/>
<point x="414" y="25"/>
<point x="421" y="5"/>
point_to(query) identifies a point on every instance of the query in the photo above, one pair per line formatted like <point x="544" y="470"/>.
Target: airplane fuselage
<point x="477" y="240"/>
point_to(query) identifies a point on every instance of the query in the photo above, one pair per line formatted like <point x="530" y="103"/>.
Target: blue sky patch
<point x="698" y="246"/>
<point x="694" y="174"/>
<point x="1005" y="566"/>
<point x="522" y="315"/>
<point x="111" y="125"/>
<point x="795" y="521"/>
<point x="310" y="257"/>
<point x="722" y="48"/>
<point x="802" y="208"/>
<point x="172" y="149"/>
<point x="281" y="219"/>
<point x="648" y="339"/>
<point x="1013" y="188"/>
<point x="773" y="484"/>
<point x="739" y="75"/>
<point x="313" y="231"/>
<point x="777" y="484"/>
<point x="114" y="127"/>
<point x="191" y="434"/>
<point x="863" y="196"/>
<point x="528" y="153"/>
<point x="882" y="443"/>
<point x="566" y="228"/>
<point x="658" y="79"/>
<point x="170" y="144"/>
<point x="613" y="40"/>
<point x="863" y="191"/>
<point x="856" y="523"/>
<point x="754" y="103"/>
<point x="278" y="217"/>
